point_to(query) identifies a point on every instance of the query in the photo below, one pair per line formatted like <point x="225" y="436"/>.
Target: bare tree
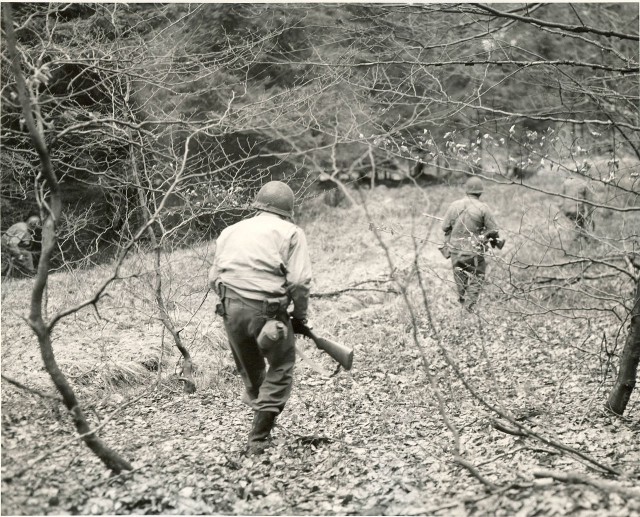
<point x="51" y="207"/>
<point x="629" y="359"/>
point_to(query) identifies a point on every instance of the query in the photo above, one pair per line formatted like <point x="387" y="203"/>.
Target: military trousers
<point x="267" y="389"/>
<point x="469" y="273"/>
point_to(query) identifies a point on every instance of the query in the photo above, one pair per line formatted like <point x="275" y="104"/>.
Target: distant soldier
<point x="468" y="227"/>
<point x="262" y="264"/>
<point x="17" y="242"/>
<point x="578" y="190"/>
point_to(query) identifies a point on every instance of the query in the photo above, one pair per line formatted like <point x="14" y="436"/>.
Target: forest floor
<point x="372" y="441"/>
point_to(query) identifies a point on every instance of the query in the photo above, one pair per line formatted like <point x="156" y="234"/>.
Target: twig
<point x="501" y="426"/>
<point x="470" y="500"/>
<point x="113" y="478"/>
<point x="31" y="390"/>
<point x="340" y="291"/>
<point x="448" y="506"/>
<point x="601" y="484"/>
<point x="194" y="314"/>
<point x="520" y="427"/>
<point x="515" y="451"/>
<point x="553" y="24"/>
<point x="572" y="280"/>
<point x="474" y="472"/>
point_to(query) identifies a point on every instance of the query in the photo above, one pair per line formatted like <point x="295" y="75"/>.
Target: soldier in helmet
<point x="17" y="241"/>
<point x="261" y="265"/>
<point x="469" y="226"/>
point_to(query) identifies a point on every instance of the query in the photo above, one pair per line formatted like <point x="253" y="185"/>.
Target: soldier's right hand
<point x="298" y="324"/>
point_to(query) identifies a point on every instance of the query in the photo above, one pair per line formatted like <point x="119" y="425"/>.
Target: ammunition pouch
<point x="272" y="307"/>
<point x="221" y="291"/>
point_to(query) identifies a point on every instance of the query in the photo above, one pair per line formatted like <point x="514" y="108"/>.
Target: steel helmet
<point x="474" y="186"/>
<point x="275" y="197"/>
<point x="33" y="221"/>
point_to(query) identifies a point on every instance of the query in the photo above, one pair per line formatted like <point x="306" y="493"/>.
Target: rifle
<point x="338" y="352"/>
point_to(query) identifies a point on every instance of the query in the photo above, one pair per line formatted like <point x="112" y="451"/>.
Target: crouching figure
<point x="17" y="243"/>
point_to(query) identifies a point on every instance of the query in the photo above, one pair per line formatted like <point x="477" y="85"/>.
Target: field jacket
<point x="264" y="257"/>
<point x="18" y="236"/>
<point x="465" y="224"/>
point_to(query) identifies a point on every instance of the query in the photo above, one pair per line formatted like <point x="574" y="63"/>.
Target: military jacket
<point x="264" y="257"/>
<point x="18" y="234"/>
<point x="466" y="222"/>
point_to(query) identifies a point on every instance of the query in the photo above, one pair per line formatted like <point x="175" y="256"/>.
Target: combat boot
<point x="263" y="422"/>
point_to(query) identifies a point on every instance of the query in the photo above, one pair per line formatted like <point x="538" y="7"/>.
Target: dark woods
<point x="362" y="94"/>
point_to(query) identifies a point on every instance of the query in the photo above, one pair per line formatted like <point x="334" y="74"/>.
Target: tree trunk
<point x="628" y="369"/>
<point x="111" y="459"/>
<point x="52" y="210"/>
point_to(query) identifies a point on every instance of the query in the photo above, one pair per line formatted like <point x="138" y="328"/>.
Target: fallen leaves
<point x="365" y="442"/>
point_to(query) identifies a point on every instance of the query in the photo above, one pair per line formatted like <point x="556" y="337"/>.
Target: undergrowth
<point x="373" y="435"/>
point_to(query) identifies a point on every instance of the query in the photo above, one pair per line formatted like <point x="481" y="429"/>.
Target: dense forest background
<point x="305" y="92"/>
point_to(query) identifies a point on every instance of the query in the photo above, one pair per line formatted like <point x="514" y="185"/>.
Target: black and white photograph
<point x="311" y="258"/>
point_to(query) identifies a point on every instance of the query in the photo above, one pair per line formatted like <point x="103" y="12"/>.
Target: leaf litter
<point x="366" y="442"/>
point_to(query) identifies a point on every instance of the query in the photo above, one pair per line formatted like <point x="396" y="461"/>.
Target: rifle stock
<point x="338" y="352"/>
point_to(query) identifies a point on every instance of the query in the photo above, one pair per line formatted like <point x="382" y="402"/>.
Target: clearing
<point x="367" y="442"/>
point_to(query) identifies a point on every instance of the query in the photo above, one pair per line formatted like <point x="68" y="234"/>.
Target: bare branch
<point x="30" y="390"/>
<point x="601" y="484"/>
<point x="568" y="28"/>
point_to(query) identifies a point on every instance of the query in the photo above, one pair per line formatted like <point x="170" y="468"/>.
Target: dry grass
<point x="110" y="347"/>
<point x="387" y="444"/>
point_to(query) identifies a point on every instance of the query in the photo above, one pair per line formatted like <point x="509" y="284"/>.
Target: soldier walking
<point x="261" y="265"/>
<point x="469" y="226"/>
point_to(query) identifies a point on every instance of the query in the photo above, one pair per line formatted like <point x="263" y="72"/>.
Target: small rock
<point x="186" y="491"/>
<point x="273" y="499"/>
